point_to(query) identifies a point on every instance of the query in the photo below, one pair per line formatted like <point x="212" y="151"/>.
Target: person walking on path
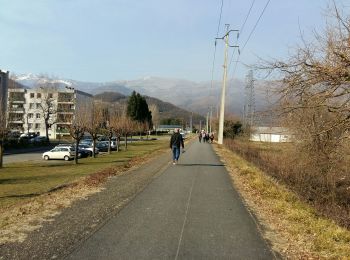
<point x="200" y="137"/>
<point x="176" y="141"/>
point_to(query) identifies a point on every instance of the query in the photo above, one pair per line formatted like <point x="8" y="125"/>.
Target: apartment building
<point x="27" y="109"/>
<point x="4" y="78"/>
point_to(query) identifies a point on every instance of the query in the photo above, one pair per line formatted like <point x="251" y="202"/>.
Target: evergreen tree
<point x="138" y="110"/>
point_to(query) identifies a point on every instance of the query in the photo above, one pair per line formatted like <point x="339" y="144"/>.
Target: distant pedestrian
<point x="200" y="137"/>
<point x="176" y="141"/>
<point x="203" y="136"/>
<point x="207" y="137"/>
<point x="211" y="137"/>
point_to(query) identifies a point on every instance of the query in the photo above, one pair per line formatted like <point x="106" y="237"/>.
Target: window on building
<point x="37" y="115"/>
<point x="30" y="115"/>
<point x="37" y="126"/>
<point x="31" y="95"/>
<point x="31" y="105"/>
<point x="30" y="126"/>
<point x="38" y="105"/>
<point x="38" y="95"/>
<point x="50" y="95"/>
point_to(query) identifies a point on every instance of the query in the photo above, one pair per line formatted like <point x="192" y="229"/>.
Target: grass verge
<point x="293" y="228"/>
<point x="29" y="193"/>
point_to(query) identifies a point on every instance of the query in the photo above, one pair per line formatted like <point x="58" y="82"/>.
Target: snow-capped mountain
<point x="190" y="95"/>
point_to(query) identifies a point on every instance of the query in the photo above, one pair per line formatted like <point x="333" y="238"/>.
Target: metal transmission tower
<point x="249" y="102"/>
<point x="223" y="92"/>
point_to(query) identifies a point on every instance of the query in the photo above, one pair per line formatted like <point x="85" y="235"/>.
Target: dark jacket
<point x="176" y="140"/>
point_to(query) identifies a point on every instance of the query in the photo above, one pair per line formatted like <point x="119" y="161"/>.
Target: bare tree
<point x="115" y="122"/>
<point x="155" y="115"/>
<point x="48" y="106"/>
<point x="315" y="93"/>
<point x="3" y="128"/>
<point x="127" y="126"/>
<point x="96" y="124"/>
<point x="80" y="122"/>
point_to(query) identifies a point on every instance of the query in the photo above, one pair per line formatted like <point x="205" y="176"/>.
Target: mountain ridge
<point x="196" y="96"/>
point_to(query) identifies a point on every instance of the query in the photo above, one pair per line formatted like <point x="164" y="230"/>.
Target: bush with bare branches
<point x="315" y="104"/>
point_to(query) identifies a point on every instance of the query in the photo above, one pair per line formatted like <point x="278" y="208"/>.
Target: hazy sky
<point x="104" y="40"/>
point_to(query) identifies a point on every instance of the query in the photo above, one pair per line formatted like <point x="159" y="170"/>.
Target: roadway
<point x="191" y="211"/>
<point x="24" y="155"/>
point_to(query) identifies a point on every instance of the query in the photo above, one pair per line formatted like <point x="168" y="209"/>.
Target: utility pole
<point x="223" y="92"/>
<point x="207" y="123"/>
<point x="249" y="103"/>
<point x="210" y="118"/>
<point x="200" y="125"/>
<point x="191" y="122"/>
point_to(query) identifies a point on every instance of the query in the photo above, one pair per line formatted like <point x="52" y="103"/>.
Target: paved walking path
<point x="189" y="212"/>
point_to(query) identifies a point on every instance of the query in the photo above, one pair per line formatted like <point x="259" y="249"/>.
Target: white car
<point x="60" y="152"/>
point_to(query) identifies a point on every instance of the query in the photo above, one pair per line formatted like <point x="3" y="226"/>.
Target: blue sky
<point x="105" y="40"/>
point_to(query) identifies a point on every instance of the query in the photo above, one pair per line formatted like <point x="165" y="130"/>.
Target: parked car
<point x="85" y="141"/>
<point x="102" y="147"/>
<point x="28" y="135"/>
<point x="38" y="139"/>
<point x="88" y="148"/>
<point x="83" y="153"/>
<point x="113" y="144"/>
<point x="60" y="152"/>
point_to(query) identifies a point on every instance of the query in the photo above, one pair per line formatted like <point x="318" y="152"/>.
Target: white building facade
<point x="27" y="109"/>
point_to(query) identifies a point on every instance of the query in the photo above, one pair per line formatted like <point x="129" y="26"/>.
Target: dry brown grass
<point x="293" y="228"/>
<point x="328" y="192"/>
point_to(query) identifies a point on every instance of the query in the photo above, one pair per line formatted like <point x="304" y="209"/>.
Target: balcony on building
<point x="64" y="97"/>
<point x="16" y="127"/>
<point x="17" y="108"/>
<point x="64" y="118"/>
<point x="17" y="97"/>
<point x="16" y="118"/>
<point x="64" y="108"/>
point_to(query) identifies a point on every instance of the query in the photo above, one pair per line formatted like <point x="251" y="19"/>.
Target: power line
<point x="214" y="55"/>
<point x="251" y="33"/>
<point x="256" y="24"/>
<point x="246" y="18"/>
<point x="217" y="33"/>
<point x="242" y="28"/>
<point x="222" y="5"/>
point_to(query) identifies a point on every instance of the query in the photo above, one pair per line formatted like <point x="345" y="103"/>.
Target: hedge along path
<point x="293" y="228"/>
<point x="17" y="220"/>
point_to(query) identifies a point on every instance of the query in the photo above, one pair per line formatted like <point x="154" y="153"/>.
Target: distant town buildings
<point x="27" y="109"/>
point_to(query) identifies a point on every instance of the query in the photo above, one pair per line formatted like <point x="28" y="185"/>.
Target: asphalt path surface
<point x="191" y="211"/>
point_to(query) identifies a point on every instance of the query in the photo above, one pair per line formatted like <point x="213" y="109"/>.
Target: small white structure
<point x="169" y="128"/>
<point x="273" y="134"/>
